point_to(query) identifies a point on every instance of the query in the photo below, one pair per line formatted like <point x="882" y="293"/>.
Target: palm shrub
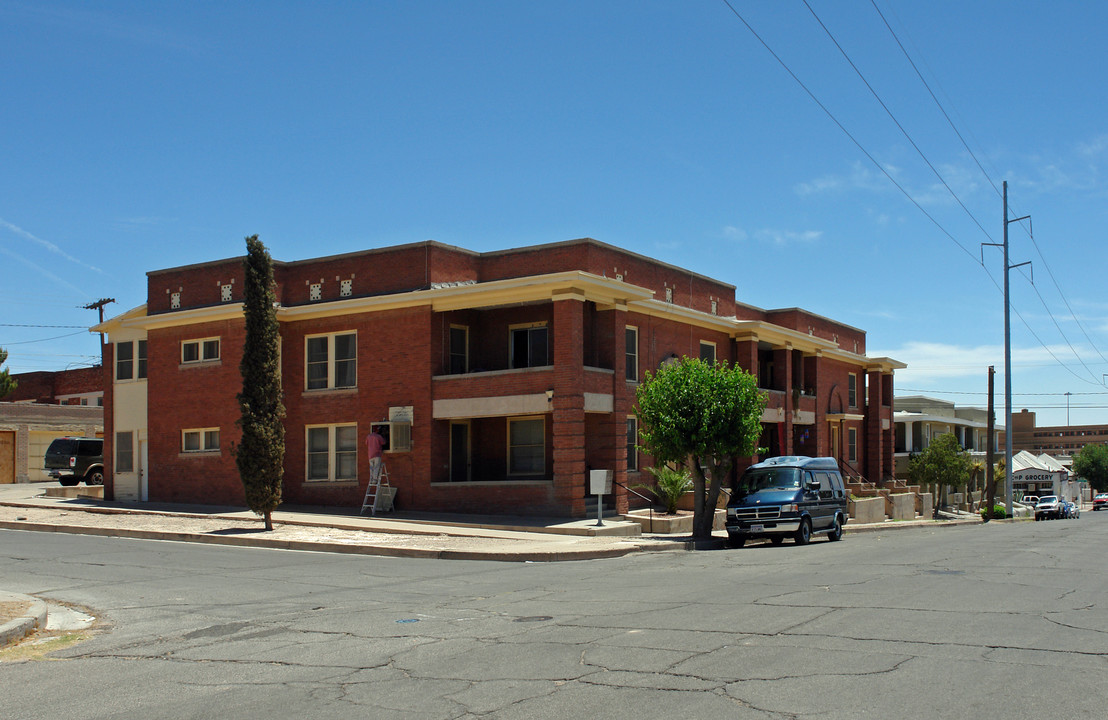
<point x="669" y="485"/>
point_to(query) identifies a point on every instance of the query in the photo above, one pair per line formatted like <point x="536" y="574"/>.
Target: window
<point x="632" y="443"/>
<point x="632" y="350"/>
<point x="526" y="446"/>
<point x="529" y="346"/>
<point x="459" y="349"/>
<point x="852" y="390"/>
<point x="332" y="361"/>
<point x="852" y="444"/>
<point x="203" y="440"/>
<point x="707" y="351"/>
<point x="124" y="452"/>
<point x="332" y="454"/>
<point x="140" y="360"/>
<point x="195" y="351"/>
<point x="124" y="361"/>
<point x="129" y="364"/>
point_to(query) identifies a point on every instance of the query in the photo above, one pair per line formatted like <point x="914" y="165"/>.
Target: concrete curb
<point x="332" y="547"/>
<point x="23" y="625"/>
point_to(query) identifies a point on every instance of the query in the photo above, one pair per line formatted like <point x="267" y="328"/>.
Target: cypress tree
<point x="260" y="453"/>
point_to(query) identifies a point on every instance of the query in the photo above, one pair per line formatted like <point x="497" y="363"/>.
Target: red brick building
<point x="506" y="375"/>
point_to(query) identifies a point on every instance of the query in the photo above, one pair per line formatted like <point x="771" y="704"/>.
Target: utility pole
<point x="990" y="446"/>
<point x="1008" y="355"/>
<point x="1068" y="408"/>
<point x="99" y="305"/>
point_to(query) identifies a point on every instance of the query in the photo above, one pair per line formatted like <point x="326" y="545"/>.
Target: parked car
<point x="1031" y="500"/>
<point x="1100" y="501"/>
<point x="72" y="459"/>
<point x="1075" y="510"/>
<point x="1049" y="507"/>
<point x="790" y="496"/>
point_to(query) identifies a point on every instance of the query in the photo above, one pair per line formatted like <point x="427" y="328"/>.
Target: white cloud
<point x="51" y="276"/>
<point x="48" y="245"/>
<point x="771" y="235"/>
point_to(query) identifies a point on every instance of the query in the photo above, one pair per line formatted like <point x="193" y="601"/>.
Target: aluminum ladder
<point x="373" y="498"/>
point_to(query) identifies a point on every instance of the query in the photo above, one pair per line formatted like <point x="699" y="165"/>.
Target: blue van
<point x="790" y="496"/>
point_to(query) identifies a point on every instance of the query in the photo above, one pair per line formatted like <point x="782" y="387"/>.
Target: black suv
<point x="72" y="459"/>
<point x="791" y="496"/>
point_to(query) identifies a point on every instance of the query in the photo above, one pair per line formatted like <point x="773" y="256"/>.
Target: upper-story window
<point x="631" y="342"/>
<point x="332" y="361"/>
<point x="529" y="345"/>
<point x="197" y="351"/>
<point x="130" y="360"/>
<point x="459" y="349"/>
<point x="707" y="351"/>
<point x="852" y="390"/>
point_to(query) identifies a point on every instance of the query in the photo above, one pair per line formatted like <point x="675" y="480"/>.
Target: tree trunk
<point x="268" y="520"/>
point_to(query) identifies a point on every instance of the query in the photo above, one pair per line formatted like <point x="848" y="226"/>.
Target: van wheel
<point x="736" y="541"/>
<point x="96" y="477"/>
<point x="804" y="533"/>
<point x="836" y="530"/>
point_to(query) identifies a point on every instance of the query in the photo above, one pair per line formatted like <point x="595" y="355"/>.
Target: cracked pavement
<point x="949" y="623"/>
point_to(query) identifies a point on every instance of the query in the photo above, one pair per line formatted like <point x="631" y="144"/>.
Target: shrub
<point x="999" y="513"/>
<point x="669" y="485"/>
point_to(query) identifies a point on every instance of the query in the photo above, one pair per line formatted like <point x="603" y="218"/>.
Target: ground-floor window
<point x="526" y="446"/>
<point x="124" y="452"/>
<point x="200" y="440"/>
<point x="632" y="443"/>
<point x="332" y="453"/>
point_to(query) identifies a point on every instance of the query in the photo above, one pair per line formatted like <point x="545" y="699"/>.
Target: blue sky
<point x="143" y="135"/>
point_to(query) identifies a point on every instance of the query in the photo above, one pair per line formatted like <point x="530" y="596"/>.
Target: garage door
<point x="7" y="457"/>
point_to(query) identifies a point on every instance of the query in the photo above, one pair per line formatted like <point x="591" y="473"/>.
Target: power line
<point x="83" y="327"/>
<point x="897" y="122"/>
<point x="845" y="131"/>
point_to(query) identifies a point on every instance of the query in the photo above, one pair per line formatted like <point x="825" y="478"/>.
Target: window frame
<point x="332" y="452"/>
<point x="452" y="353"/>
<point x="528" y="328"/>
<point x="632" y="443"/>
<point x="708" y="344"/>
<point x="331" y="361"/>
<point x="509" y="447"/>
<point x="202" y="346"/>
<point x="631" y="353"/>
<point x="129" y="360"/>
<point x="124" y="453"/>
<point x="203" y="440"/>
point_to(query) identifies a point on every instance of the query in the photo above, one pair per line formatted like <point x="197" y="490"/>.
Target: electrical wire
<point x="897" y="122"/>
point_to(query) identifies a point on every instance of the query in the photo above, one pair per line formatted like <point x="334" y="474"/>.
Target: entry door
<point x="7" y="457"/>
<point x="459" y="452"/>
<point x="835" y="441"/>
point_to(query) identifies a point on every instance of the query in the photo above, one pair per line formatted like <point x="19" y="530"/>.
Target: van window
<point x="783" y="478"/>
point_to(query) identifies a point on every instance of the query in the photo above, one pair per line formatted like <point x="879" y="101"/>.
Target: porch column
<point x="568" y="429"/>
<point x="615" y="424"/>
<point x="874" y="436"/>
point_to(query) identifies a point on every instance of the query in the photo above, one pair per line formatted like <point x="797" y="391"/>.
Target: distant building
<point x="80" y="386"/>
<point x="1054" y="440"/>
<point x="918" y="420"/>
<point x="26" y="430"/>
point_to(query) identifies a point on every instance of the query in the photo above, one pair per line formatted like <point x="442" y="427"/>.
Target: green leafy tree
<point x="260" y="454"/>
<point x="701" y="416"/>
<point x="7" y="382"/>
<point x="943" y="463"/>
<point x="1091" y="464"/>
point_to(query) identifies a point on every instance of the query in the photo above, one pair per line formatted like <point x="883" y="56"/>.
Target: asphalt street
<point x="984" y="621"/>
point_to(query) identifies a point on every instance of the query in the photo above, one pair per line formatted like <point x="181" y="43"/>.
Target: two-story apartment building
<point x="505" y="375"/>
